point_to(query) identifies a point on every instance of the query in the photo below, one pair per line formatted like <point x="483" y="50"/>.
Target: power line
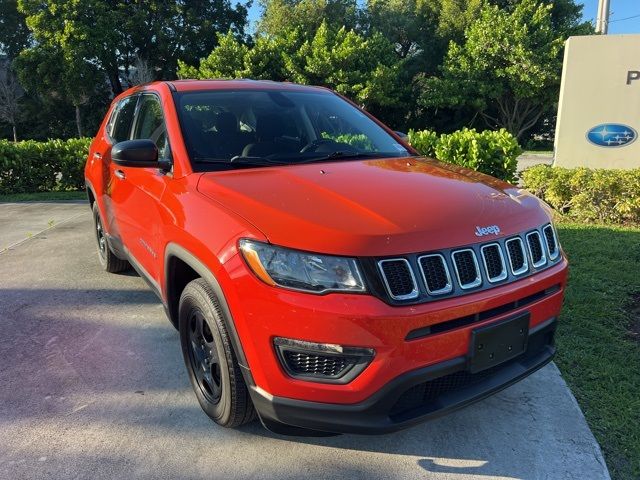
<point x="626" y="18"/>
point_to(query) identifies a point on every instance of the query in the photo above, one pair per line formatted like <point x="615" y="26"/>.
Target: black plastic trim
<point x="372" y="415"/>
<point x="459" y="322"/>
<point x="176" y="251"/>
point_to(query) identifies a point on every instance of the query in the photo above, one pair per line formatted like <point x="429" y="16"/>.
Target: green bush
<point x="424" y="141"/>
<point x="492" y="152"/>
<point x="590" y="195"/>
<point x="31" y="166"/>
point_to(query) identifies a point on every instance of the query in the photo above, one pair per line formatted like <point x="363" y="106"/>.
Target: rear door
<point x="117" y="130"/>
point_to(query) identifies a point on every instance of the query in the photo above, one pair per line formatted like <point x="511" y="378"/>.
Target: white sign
<point x="599" y="110"/>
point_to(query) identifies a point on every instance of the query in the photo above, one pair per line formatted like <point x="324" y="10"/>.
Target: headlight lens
<point x="301" y="270"/>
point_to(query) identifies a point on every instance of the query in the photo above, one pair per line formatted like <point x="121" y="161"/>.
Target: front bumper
<point x="411" y="398"/>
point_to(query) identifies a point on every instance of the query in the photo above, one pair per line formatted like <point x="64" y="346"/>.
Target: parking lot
<point x="92" y="385"/>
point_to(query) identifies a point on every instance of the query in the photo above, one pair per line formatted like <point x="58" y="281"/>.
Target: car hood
<point x="373" y="207"/>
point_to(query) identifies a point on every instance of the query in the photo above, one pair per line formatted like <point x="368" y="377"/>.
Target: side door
<point x="141" y="190"/>
<point x="118" y="129"/>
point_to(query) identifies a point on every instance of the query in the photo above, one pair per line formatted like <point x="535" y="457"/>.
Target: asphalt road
<point x="92" y="385"/>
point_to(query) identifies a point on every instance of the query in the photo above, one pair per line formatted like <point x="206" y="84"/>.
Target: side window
<point x="150" y="124"/>
<point x="122" y="119"/>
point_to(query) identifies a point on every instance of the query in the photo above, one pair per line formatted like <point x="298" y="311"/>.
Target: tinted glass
<point x="123" y="118"/>
<point x="150" y="123"/>
<point x="225" y="129"/>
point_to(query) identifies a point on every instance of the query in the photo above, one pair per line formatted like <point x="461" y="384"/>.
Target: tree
<point x="112" y="34"/>
<point x="46" y="72"/>
<point x="14" y="34"/>
<point x="507" y="69"/>
<point x="363" y="69"/>
<point x="280" y="16"/>
<point x="10" y="95"/>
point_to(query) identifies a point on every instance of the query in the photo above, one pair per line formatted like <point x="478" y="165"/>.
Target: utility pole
<point x="602" y="20"/>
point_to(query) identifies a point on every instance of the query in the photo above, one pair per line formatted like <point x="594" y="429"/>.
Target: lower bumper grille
<point x="424" y="395"/>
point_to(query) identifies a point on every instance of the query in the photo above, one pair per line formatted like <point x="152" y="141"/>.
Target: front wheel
<point x="211" y="362"/>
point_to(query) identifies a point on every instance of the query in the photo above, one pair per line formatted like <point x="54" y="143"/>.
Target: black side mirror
<point x="135" y="153"/>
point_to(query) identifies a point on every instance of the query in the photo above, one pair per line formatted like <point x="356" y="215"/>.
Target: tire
<point x="108" y="261"/>
<point x="211" y="363"/>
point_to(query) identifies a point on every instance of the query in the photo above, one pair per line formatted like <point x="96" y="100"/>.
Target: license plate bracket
<point x="494" y="344"/>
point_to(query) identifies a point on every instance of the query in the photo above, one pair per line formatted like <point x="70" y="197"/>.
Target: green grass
<point x="598" y="357"/>
<point x="43" y="196"/>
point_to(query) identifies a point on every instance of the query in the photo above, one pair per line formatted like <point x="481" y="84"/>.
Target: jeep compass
<point x="323" y="276"/>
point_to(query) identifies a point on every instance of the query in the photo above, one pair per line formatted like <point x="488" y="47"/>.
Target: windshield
<point x="227" y="129"/>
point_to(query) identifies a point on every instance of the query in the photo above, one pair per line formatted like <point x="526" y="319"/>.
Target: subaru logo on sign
<point x="611" y="135"/>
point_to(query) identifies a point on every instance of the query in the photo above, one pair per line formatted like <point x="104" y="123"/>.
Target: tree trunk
<point x="78" y="121"/>
<point x="15" y="134"/>
<point x="114" y="80"/>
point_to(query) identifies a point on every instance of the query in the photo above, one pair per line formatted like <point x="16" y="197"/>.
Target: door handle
<point x="120" y="174"/>
<point x="97" y="155"/>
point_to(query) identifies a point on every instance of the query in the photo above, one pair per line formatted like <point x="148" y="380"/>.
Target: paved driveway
<point x="92" y="385"/>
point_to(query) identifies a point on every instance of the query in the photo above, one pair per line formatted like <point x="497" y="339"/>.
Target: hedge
<point x="492" y="152"/>
<point x="32" y="166"/>
<point x="588" y="195"/>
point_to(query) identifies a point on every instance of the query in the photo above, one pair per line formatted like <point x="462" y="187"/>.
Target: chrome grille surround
<point x="525" y="265"/>
<point x="414" y="292"/>
<point x="503" y="273"/>
<point x="441" y="291"/>
<point x="441" y="273"/>
<point x="478" y="280"/>
<point x="535" y="237"/>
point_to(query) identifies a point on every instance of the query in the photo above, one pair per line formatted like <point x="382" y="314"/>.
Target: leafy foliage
<point x="32" y="166"/>
<point x="508" y="67"/>
<point x="155" y="31"/>
<point x="492" y="152"/>
<point x="361" y="68"/>
<point x="590" y="195"/>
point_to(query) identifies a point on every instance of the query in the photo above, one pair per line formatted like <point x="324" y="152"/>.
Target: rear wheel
<point x="108" y="260"/>
<point x="211" y="362"/>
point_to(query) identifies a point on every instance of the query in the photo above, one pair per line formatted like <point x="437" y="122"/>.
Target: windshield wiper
<point x="239" y="160"/>
<point x="345" y="155"/>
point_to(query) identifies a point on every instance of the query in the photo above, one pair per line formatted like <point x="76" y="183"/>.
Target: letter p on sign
<point x="632" y="75"/>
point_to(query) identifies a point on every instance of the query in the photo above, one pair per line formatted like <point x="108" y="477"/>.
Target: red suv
<point x="322" y="274"/>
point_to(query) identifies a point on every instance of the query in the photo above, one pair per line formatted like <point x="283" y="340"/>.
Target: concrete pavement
<point x="92" y="385"/>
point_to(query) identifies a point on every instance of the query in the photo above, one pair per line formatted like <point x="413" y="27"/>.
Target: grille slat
<point x="467" y="270"/>
<point x="517" y="256"/>
<point x="494" y="262"/>
<point x="398" y="278"/>
<point x="552" y="243"/>
<point x="435" y="274"/>
<point x="534" y="242"/>
<point x="313" y="364"/>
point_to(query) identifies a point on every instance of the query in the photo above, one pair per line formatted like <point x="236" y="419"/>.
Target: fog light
<point x="322" y="362"/>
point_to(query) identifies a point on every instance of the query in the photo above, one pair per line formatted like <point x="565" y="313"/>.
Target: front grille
<point x="494" y="262"/>
<point x="459" y="270"/>
<point x="552" y="244"/>
<point x="535" y="249"/>
<point x="435" y="274"/>
<point x="467" y="269"/>
<point x="517" y="257"/>
<point x="398" y="278"/>
<point x="302" y="363"/>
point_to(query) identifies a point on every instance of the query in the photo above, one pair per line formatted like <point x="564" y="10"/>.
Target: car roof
<point x="238" y="84"/>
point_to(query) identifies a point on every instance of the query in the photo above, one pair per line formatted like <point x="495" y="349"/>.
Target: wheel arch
<point x="181" y="267"/>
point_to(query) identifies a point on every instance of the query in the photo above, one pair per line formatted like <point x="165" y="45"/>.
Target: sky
<point x="619" y="21"/>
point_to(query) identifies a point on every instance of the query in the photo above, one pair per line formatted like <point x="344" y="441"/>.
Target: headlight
<point x="301" y="270"/>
